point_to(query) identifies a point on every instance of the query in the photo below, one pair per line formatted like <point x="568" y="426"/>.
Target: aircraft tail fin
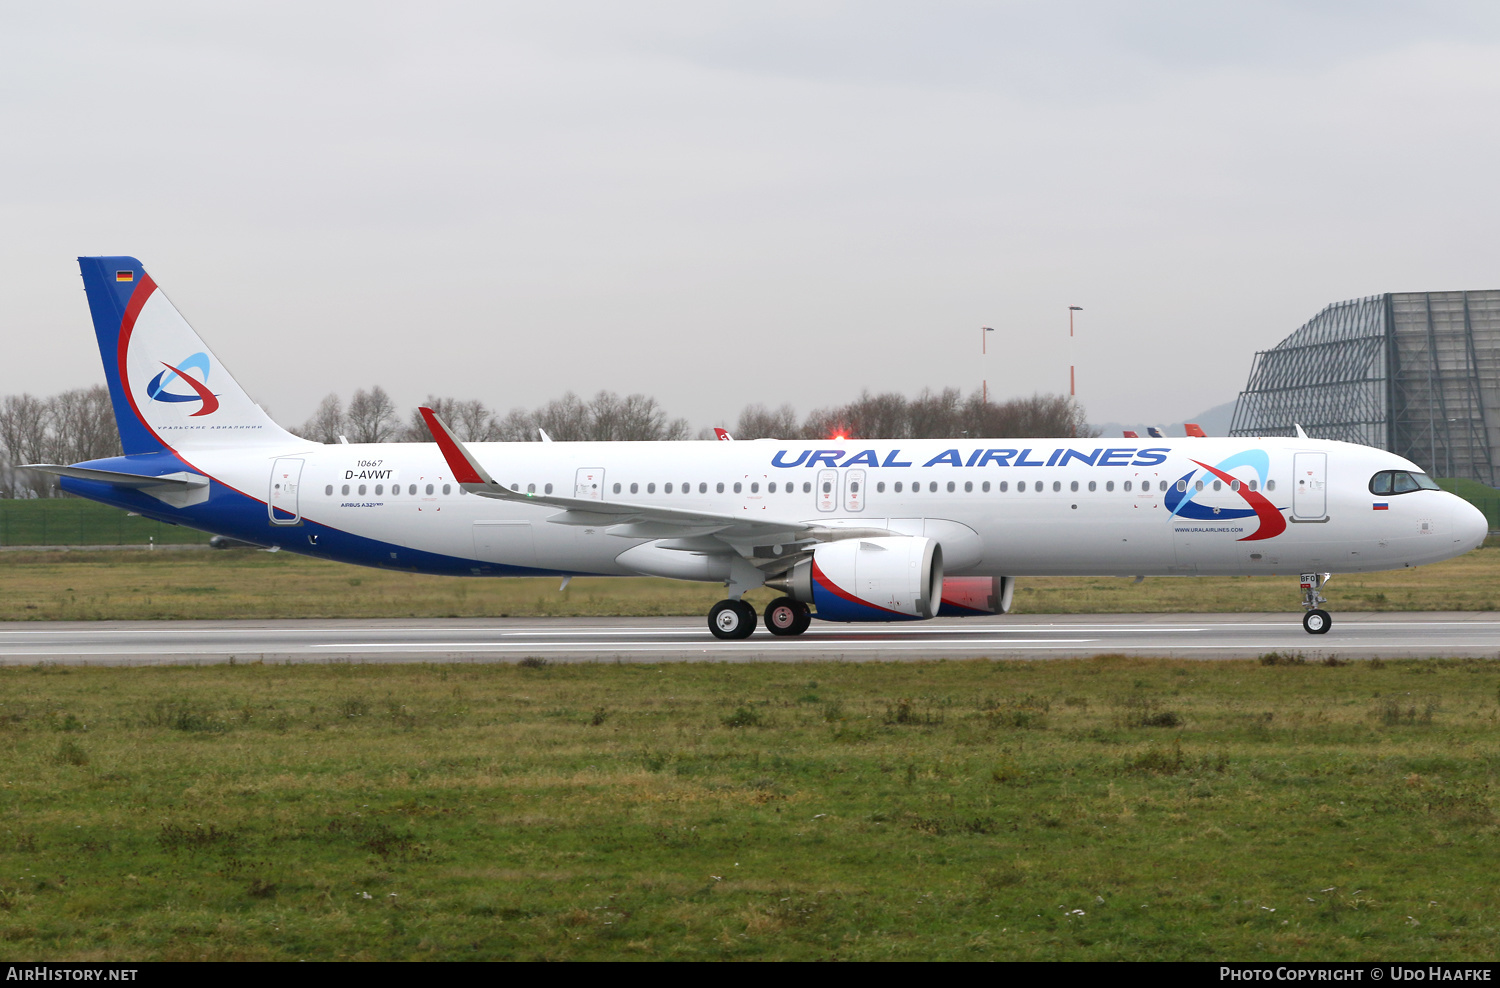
<point x="168" y="389"/>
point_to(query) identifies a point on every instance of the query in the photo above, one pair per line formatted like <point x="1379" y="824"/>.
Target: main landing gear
<point x="730" y="619"/>
<point x="787" y="617"/>
<point x="1316" y="621"/>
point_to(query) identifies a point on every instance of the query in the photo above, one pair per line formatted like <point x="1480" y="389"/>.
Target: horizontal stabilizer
<point x="180" y="489"/>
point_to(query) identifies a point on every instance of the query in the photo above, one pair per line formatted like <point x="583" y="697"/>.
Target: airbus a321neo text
<point x="844" y="530"/>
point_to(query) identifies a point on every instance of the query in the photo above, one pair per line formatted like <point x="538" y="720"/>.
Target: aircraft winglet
<point x="466" y="469"/>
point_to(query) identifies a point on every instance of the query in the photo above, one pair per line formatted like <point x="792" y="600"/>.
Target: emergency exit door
<point x="286" y="476"/>
<point x="827" y="491"/>
<point x="1310" y="486"/>
<point x="588" y="484"/>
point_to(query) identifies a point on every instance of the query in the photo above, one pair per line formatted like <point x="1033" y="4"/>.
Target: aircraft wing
<point x="622" y="518"/>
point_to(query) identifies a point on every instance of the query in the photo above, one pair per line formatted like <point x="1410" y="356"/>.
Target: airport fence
<point x="75" y="521"/>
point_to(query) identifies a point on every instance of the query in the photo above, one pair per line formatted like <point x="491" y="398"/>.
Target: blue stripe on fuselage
<point x="237" y="516"/>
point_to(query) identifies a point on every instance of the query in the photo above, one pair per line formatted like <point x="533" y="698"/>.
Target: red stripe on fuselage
<point x="1272" y="523"/>
<point x="143" y="290"/>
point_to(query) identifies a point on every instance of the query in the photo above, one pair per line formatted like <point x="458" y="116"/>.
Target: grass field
<point x="74" y="521"/>
<point x="70" y="586"/>
<point x="1103" y="809"/>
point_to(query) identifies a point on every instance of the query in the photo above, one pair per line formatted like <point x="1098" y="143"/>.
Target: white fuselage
<point x="1106" y="510"/>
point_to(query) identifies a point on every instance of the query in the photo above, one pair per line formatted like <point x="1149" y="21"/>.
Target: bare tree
<point x="25" y="423"/>
<point x="83" y="426"/>
<point x="945" y="414"/>
<point x="326" y="424"/>
<point x="371" y="416"/>
<point x="472" y="420"/>
<point x="758" y="422"/>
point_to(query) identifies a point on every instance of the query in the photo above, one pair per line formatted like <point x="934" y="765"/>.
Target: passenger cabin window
<point x="329" y="490"/>
<point x="345" y="489"/>
<point x="1020" y="487"/>
<point x="634" y="488"/>
<point x="651" y="487"/>
<point x="702" y="488"/>
<point x="617" y="488"/>
<point x="1127" y="485"/>
<point x="448" y="489"/>
<point x="1004" y="486"/>
<point x="737" y="487"/>
<point x="932" y="487"/>
<point x="720" y="487"/>
<point x="898" y="487"/>
<point x="880" y="487"/>
<point x="951" y="487"/>
<point x="807" y="487"/>
<point x="667" y="489"/>
<point x="1109" y="485"/>
<point x="429" y="488"/>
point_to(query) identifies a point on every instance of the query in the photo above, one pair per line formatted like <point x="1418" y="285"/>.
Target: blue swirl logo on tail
<point x="157" y="389"/>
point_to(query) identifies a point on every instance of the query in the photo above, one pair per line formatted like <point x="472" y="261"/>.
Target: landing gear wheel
<point x="1316" y="622"/>
<point x="731" y="619"/>
<point x="786" y="617"/>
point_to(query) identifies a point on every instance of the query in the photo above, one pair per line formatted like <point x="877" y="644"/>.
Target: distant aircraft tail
<point x="168" y="389"/>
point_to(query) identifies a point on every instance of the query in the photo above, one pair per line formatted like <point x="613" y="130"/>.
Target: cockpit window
<point x="1401" y="482"/>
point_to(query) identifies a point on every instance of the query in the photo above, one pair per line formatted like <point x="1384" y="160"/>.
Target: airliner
<point x="845" y="529"/>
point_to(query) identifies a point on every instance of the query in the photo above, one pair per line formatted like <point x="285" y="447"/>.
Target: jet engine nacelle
<point x="898" y="578"/>
<point x="968" y="596"/>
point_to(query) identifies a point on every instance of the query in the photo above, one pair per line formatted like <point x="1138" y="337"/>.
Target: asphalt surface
<point x="1198" y="636"/>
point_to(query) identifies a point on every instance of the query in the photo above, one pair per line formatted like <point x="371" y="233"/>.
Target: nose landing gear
<point x="1316" y="621"/>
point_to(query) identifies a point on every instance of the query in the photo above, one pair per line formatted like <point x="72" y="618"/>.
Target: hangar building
<point x="1417" y="373"/>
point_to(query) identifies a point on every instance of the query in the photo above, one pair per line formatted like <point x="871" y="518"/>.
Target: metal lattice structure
<point x="1417" y="373"/>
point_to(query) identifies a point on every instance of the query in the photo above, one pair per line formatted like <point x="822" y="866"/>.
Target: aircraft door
<point x="827" y="491"/>
<point x="588" y="484"/>
<point x="854" y="490"/>
<point x="1310" y="495"/>
<point x="286" y="476"/>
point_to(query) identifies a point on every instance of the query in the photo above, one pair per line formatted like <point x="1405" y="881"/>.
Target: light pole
<point x="1072" y="390"/>
<point x="984" y="339"/>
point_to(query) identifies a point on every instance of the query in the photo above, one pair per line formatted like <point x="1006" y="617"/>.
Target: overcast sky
<point x="722" y="203"/>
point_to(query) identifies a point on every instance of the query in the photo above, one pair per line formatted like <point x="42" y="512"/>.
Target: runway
<point x="1198" y="636"/>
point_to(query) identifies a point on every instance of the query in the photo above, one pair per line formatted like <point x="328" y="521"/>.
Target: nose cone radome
<point x="1473" y="524"/>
